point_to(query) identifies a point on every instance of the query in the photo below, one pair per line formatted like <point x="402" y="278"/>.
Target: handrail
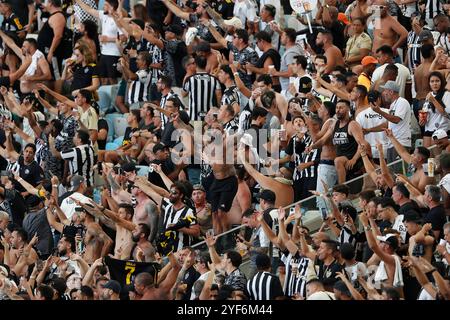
<point x="303" y="200"/>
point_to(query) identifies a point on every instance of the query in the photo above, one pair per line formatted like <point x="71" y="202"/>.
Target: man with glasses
<point x="240" y="52"/>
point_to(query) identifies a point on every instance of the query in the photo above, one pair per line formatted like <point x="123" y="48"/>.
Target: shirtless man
<point x="145" y="212"/>
<point x="20" y="255"/>
<point x="202" y="208"/>
<point x="37" y="71"/>
<point x="421" y="83"/>
<point x="143" y="251"/>
<point x="242" y="201"/>
<point x="203" y="49"/>
<point x="420" y="156"/>
<point x="326" y="170"/>
<point x="420" y="242"/>
<point x="387" y="30"/>
<point x="145" y="283"/>
<point x="334" y="56"/>
<point x="225" y="184"/>
<point x="358" y="9"/>
<point x="124" y="228"/>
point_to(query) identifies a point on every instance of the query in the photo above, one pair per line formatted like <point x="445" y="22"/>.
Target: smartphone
<point x="323" y="213"/>
<point x="292" y="210"/>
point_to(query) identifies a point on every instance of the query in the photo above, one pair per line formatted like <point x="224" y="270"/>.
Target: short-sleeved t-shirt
<point x="356" y="43"/>
<point x="403" y="76"/>
<point x="89" y="118"/>
<point x="82" y="76"/>
<point x="109" y="29"/>
<point x="31" y="173"/>
<point x="437" y="218"/>
<point x="286" y="60"/>
<point x="401" y="130"/>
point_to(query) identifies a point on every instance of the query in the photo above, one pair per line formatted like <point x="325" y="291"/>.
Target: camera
<point x="373" y="96"/>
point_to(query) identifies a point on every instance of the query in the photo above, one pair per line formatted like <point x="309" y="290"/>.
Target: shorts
<point x="222" y="193"/>
<point x="107" y="67"/>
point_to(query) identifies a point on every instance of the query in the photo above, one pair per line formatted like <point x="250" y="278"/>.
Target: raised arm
<point x="88" y="9"/>
<point x="221" y="40"/>
<point x="56" y="95"/>
<point x="211" y="242"/>
<point x="45" y="103"/>
<point x="11" y="44"/>
<point x="404" y="154"/>
<point x="176" y="10"/>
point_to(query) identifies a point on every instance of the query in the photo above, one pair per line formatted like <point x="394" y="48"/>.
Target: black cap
<point x="267" y="195"/>
<point x="159" y="146"/>
<point x="305" y="85"/>
<point x="113" y="285"/>
<point x="129" y="167"/>
<point x="175" y="29"/>
<point x="33" y="201"/>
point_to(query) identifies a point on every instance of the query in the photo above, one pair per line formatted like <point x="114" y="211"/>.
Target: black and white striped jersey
<point x="296" y="272"/>
<point x="139" y="89"/>
<point x="81" y="162"/>
<point x="264" y="286"/>
<point x="201" y="88"/>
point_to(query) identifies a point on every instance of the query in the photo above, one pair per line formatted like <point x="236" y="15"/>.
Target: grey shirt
<point x="36" y="222"/>
<point x="286" y="60"/>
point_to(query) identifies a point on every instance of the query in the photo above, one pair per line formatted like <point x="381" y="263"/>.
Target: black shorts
<point x="107" y="67"/>
<point x="223" y="193"/>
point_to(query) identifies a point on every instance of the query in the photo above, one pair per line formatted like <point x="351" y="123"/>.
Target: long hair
<point x="441" y="91"/>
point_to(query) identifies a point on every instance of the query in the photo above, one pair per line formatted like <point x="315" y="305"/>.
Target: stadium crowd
<point x="224" y="150"/>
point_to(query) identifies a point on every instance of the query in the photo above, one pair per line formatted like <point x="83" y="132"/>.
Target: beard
<point x="63" y="252"/>
<point x="135" y="238"/>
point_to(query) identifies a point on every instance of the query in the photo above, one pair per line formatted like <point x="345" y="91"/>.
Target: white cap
<point x="439" y="134"/>
<point x="234" y="22"/>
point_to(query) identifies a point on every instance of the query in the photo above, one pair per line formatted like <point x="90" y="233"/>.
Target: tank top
<point x="45" y="37"/>
<point x="345" y="143"/>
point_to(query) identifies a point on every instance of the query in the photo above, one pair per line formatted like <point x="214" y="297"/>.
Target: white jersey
<point x="400" y="227"/>
<point x="404" y="76"/>
<point x="109" y="29"/>
<point x="369" y="119"/>
<point x="437" y="120"/>
<point x="401" y="130"/>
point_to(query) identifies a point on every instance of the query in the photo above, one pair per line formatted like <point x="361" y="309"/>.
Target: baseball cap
<point x="267" y="195"/>
<point x="425" y="35"/>
<point x="234" y="22"/>
<point x="175" y="29"/>
<point x="390" y="239"/>
<point x="439" y="134"/>
<point x="75" y="182"/>
<point x="113" y="285"/>
<point x="159" y="146"/>
<point x="391" y="85"/>
<point x="305" y="85"/>
<point x="129" y="167"/>
<point x="198" y="186"/>
<point x="368" y="60"/>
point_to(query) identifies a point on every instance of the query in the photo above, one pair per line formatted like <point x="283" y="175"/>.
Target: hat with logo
<point x="440" y="134"/>
<point x="390" y="239"/>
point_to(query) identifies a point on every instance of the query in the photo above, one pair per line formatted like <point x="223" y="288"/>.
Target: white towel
<point x="31" y="70"/>
<point x="381" y="274"/>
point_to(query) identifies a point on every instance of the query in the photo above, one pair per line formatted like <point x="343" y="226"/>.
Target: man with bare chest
<point x="387" y="30"/>
<point x="220" y="154"/>
<point x="146" y="212"/>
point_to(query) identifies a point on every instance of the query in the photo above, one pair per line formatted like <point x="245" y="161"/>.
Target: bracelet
<point x="236" y="74"/>
<point x="55" y="185"/>
<point x="32" y="277"/>
<point x="363" y="154"/>
<point x="368" y="228"/>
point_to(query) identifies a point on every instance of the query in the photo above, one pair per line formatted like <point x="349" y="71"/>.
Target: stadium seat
<point x="111" y="146"/>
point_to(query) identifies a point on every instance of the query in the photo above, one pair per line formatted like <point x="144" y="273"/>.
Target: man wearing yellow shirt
<point x="369" y="64"/>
